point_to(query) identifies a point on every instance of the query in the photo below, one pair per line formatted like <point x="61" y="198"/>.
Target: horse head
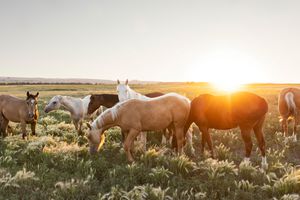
<point x="31" y="101"/>
<point x="123" y="91"/>
<point x="53" y="104"/>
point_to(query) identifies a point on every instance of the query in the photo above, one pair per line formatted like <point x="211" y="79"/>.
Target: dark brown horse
<point x="241" y="109"/>
<point x="20" y="111"/>
<point x="109" y="100"/>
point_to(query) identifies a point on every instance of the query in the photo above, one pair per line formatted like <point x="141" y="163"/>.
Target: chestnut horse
<point x="288" y="106"/>
<point x="136" y="115"/>
<point x="19" y="111"/>
<point x="241" y="109"/>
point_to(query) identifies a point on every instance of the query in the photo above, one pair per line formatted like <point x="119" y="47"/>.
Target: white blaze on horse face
<point x="31" y="107"/>
<point x="123" y="92"/>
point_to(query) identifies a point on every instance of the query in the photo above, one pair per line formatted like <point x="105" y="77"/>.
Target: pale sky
<point x="246" y="40"/>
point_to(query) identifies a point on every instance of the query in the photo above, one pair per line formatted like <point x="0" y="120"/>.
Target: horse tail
<point x="290" y="102"/>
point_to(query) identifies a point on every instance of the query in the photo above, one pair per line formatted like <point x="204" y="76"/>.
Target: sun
<point x="226" y="69"/>
<point x="226" y="86"/>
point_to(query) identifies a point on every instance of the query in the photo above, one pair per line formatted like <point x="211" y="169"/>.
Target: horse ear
<point x="118" y="82"/>
<point x="89" y="126"/>
<point x="126" y="83"/>
<point x="27" y="94"/>
<point x="37" y="94"/>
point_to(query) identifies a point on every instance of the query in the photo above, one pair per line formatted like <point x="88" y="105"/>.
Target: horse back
<point x="228" y="111"/>
<point x="12" y="107"/>
<point x="155" y="114"/>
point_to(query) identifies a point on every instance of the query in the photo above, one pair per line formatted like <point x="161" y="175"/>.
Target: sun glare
<point x="226" y="69"/>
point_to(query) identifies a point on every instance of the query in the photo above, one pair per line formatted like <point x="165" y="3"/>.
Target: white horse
<point x="125" y="93"/>
<point x="76" y="106"/>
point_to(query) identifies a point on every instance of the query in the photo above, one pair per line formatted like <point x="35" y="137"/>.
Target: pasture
<point x="56" y="164"/>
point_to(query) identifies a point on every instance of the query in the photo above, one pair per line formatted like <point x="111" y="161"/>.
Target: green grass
<point x="57" y="165"/>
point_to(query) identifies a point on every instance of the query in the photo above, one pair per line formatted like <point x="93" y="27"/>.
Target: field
<point x="56" y="164"/>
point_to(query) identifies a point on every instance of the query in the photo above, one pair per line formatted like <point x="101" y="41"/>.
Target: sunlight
<point x="226" y="86"/>
<point x="226" y="69"/>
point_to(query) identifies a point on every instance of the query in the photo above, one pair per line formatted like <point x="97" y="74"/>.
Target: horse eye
<point x="54" y="102"/>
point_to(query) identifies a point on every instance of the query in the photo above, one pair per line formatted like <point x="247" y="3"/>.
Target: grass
<point x="56" y="164"/>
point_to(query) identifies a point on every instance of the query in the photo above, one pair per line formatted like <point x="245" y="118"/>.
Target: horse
<point x="135" y="115"/>
<point x="125" y="93"/>
<point x="241" y="109"/>
<point x="19" y="111"/>
<point x="98" y="101"/>
<point x="288" y="106"/>
<point x="109" y="100"/>
<point x="76" y="106"/>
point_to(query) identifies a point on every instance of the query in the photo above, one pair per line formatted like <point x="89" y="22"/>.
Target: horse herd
<point x="170" y="113"/>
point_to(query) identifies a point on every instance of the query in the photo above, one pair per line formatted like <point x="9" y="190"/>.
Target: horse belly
<point x="156" y="123"/>
<point x="221" y="122"/>
<point x="11" y="115"/>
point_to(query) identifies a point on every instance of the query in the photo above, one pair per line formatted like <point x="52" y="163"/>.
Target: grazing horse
<point x="125" y="93"/>
<point x="97" y="101"/>
<point x="241" y="109"/>
<point x="19" y="111"/>
<point x="288" y="106"/>
<point x="76" y="106"/>
<point x="135" y="115"/>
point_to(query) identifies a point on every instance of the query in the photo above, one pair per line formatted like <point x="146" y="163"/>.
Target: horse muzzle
<point x="46" y="110"/>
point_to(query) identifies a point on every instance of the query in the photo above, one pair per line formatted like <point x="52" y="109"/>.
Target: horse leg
<point x="284" y="125"/>
<point x="179" y="133"/>
<point x="143" y="140"/>
<point x="261" y="142"/>
<point x="206" y="138"/>
<point x="80" y="127"/>
<point x="296" y="122"/>
<point x="128" y="143"/>
<point x="23" y="128"/>
<point x="164" y="137"/>
<point x="4" y="125"/>
<point x="189" y="138"/>
<point x="33" y="125"/>
<point x="75" y="122"/>
<point x="246" y="135"/>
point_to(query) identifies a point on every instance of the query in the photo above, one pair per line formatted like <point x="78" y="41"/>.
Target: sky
<point x="158" y="40"/>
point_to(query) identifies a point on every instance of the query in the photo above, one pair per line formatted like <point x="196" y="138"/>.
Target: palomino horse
<point x="20" y="111"/>
<point x="76" y="106"/>
<point x="241" y="109"/>
<point x="288" y="106"/>
<point x="125" y="93"/>
<point x="98" y="101"/>
<point x="135" y="115"/>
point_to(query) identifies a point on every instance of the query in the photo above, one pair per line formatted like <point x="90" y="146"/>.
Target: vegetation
<point x="56" y="164"/>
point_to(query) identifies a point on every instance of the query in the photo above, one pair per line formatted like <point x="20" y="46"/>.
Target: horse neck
<point x="106" y="120"/>
<point x="135" y="95"/>
<point x="107" y="100"/>
<point x="68" y="104"/>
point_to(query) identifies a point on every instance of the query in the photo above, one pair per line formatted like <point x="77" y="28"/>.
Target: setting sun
<point x="227" y="69"/>
<point x="226" y="86"/>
